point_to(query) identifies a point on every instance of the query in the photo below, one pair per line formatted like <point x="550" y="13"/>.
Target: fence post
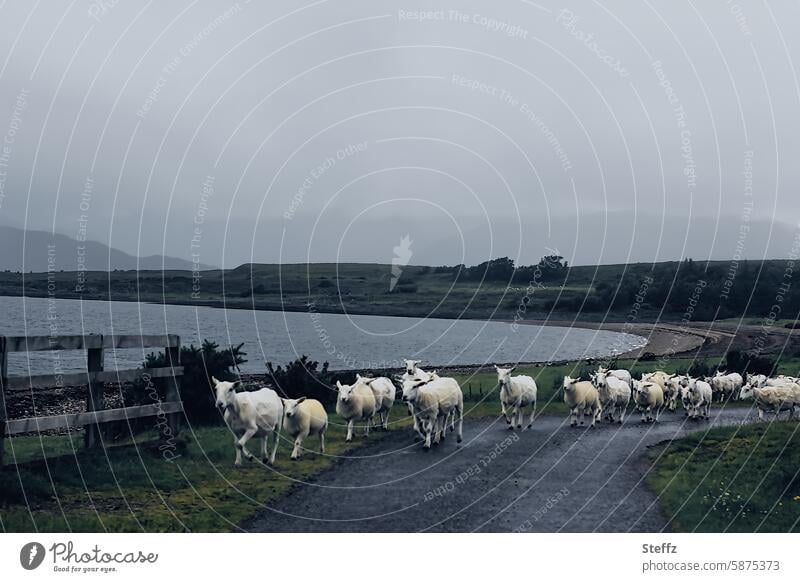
<point x="3" y="376"/>
<point x="94" y="399"/>
<point x="173" y="391"/>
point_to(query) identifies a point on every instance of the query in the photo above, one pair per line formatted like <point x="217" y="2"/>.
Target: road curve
<point x="549" y="478"/>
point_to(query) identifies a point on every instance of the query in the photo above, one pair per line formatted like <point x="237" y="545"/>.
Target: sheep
<point x="354" y="403"/>
<point x="615" y="394"/>
<point x="726" y="385"/>
<point x="657" y="377"/>
<point x="302" y="418"/>
<point x="516" y="393"/>
<point x="425" y="406"/>
<point x="580" y="396"/>
<point x="248" y="415"/>
<point x="649" y="397"/>
<point x="434" y="400"/>
<point x="672" y="390"/>
<point x="413" y="373"/>
<point x="700" y="395"/>
<point x="686" y="400"/>
<point x="773" y="398"/>
<point x="623" y="375"/>
<point x="384" y="391"/>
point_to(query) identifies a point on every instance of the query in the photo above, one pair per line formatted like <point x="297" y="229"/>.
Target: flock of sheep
<point x="436" y="402"/>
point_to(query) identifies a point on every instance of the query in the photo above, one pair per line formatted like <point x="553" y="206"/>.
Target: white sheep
<point x="516" y="393"/>
<point x="384" y="391"/>
<point x="434" y="401"/>
<point x="248" y="415"/>
<point x="623" y="375"/>
<point x="355" y="403"/>
<point x="672" y="390"/>
<point x="726" y="385"/>
<point x="774" y="398"/>
<point x="615" y="394"/>
<point x="302" y="418"/>
<point x="649" y="398"/>
<point x="700" y="396"/>
<point x="581" y="396"/>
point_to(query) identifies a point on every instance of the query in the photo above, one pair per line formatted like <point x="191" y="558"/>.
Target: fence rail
<point x="94" y="379"/>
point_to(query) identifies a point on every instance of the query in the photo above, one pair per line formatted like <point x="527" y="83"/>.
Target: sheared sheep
<point x="516" y="393"/>
<point x="615" y="394"/>
<point x="248" y="415"/>
<point x="302" y="418"/>
<point x="700" y="396"/>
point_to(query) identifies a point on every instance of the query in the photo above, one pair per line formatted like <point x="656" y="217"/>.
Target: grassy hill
<point x="494" y="289"/>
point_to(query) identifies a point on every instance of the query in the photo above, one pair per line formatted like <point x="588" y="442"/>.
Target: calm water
<point x="357" y="342"/>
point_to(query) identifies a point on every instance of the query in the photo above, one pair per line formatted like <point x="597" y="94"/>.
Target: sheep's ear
<point x="358" y="376"/>
<point x="301" y="399"/>
<point x="338" y="384"/>
<point x="512" y="369"/>
<point x="237" y="385"/>
<point x="214" y="381"/>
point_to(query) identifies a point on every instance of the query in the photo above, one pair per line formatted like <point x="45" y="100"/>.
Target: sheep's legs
<point x="349" y="436"/>
<point x="298" y="442"/>
<point x="322" y="441"/>
<point x="248" y="434"/>
<point x="460" y="410"/>
<point x="533" y="414"/>
<point x="276" y="434"/>
<point x="238" y="461"/>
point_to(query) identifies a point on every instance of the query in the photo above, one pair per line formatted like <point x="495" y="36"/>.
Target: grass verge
<point x="732" y="479"/>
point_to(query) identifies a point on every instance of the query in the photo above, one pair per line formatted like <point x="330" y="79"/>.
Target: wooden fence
<point x="93" y="378"/>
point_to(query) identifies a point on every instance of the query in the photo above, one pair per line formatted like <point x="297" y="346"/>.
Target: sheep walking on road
<point x="248" y="415"/>
<point x="384" y="391"/>
<point x="516" y="394"/>
<point x="581" y="396"/>
<point x="649" y="398"/>
<point x="355" y="403"/>
<point x="302" y="418"/>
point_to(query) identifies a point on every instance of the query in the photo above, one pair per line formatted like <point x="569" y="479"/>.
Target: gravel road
<point x="549" y="478"/>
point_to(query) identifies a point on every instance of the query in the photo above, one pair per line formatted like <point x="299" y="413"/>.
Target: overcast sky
<point x="324" y="131"/>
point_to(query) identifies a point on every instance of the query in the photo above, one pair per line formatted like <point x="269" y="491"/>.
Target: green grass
<point x="133" y="488"/>
<point x="737" y="479"/>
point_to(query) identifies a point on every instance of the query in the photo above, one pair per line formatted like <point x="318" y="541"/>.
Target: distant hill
<point x="33" y="250"/>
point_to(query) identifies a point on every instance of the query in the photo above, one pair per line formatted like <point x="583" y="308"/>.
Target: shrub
<point x="303" y="377"/>
<point x="197" y="393"/>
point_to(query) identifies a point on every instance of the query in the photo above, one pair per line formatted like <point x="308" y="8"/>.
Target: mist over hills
<point x="36" y="250"/>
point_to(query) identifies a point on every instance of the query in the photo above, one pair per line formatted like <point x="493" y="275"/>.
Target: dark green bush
<point x="303" y="377"/>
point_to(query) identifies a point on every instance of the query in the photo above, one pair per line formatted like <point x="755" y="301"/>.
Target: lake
<point x="346" y="341"/>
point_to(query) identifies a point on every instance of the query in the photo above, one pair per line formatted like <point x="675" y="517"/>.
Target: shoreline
<point x="664" y="340"/>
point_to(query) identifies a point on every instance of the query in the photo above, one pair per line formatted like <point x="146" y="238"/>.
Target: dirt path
<point x="550" y="478"/>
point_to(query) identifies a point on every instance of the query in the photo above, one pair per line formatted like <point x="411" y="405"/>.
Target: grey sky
<point x="610" y="131"/>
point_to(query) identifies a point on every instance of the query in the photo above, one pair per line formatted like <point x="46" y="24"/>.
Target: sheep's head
<point x="601" y="370"/>
<point x="226" y="392"/>
<point x="345" y="391"/>
<point x="503" y="376"/>
<point x="569" y="383"/>
<point x="747" y="392"/>
<point x="290" y="406"/>
<point x="411" y="388"/>
<point x="599" y="379"/>
<point x="411" y="366"/>
<point x="686" y="395"/>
